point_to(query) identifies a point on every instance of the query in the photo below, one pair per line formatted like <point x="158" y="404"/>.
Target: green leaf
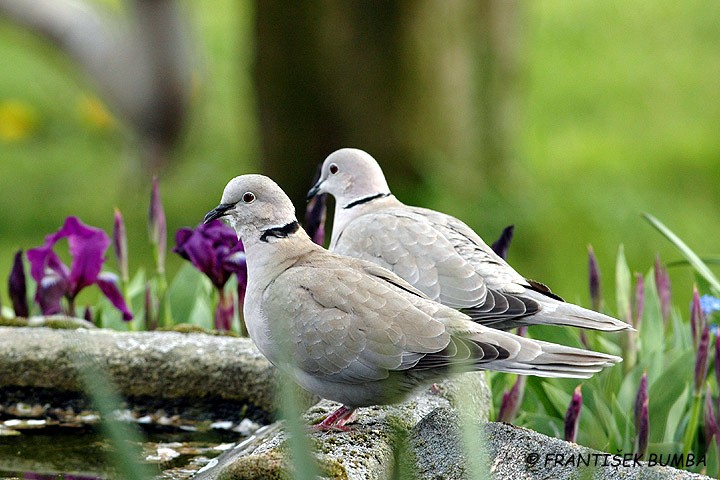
<point x="668" y="384"/>
<point x="675" y="415"/>
<point x="622" y="285"/>
<point x="664" y="448"/>
<point x="136" y="286"/>
<point x="703" y="285"/>
<point x="685" y="263"/>
<point x="691" y="429"/>
<point x="628" y="390"/>
<point x="559" y="398"/>
<point x="135" y="295"/>
<point x="687" y="252"/>
<point x="188" y="297"/>
<point x="623" y="421"/>
<point x="562" y="336"/>
<point x="610" y="428"/>
<point x="712" y="459"/>
<point x="608" y="343"/>
<point x="110" y="317"/>
<point x="543" y="423"/>
<point x="652" y="338"/>
<point x="202" y="314"/>
<point x="537" y="386"/>
<point x="681" y="338"/>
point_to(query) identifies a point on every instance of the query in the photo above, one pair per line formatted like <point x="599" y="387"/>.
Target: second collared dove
<point x="438" y="254"/>
<point x="351" y="331"/>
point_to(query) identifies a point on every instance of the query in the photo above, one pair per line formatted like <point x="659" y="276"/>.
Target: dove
<point x="436" y="253"/>
<point x="351" y="331"/>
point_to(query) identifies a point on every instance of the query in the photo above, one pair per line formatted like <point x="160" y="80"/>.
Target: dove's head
<point x="349" y="175"/>
<point x="254" y="205"/>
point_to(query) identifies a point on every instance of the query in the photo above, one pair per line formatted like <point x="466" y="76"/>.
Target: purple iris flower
<point x="594" y="275"/>
<point x="512" y="400"/>
<point x="697" y="317"/>
<point x="120" y="245"/>
<point x="662" y="284"/>
<point x="701" y="360"/>
<point x="641" y="398"/>
<point x="157" y="226"/>
<point x="56" y="280"/>
<point x="572" y="416"/>
<point x="502" y="244"/>
<point x="315" y="214"/>
<point x="17" y="286"/>
<point x="214" y="249"/>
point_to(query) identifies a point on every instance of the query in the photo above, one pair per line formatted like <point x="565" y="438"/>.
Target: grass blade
<point x="125" y="438"/>
<point x="623" y="285"/>
<point x="687" y="252"/>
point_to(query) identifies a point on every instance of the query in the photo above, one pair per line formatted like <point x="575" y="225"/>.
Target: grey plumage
<point x="437" y="253"/>
<point x="355" y="332"/>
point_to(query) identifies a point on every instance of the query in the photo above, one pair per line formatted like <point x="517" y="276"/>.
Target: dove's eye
<point x="248" y="197"/>
<point x="334" y="168"/>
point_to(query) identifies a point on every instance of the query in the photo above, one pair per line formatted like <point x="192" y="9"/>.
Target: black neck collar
<point x="280" y="232"/>
<point x="366" y="200"/>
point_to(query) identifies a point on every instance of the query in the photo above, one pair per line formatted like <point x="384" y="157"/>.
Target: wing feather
<point x="351" y="326"/>
<point x="444" y="259"/>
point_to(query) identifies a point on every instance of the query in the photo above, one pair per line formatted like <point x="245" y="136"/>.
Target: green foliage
<point x="622" y="285"/>
<point x="666" y="352"/>
<point x="700" y="267"/>
<point x="189" y="298"/>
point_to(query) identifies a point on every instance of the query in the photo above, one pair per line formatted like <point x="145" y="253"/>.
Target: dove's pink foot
<point x="336" y="420"/>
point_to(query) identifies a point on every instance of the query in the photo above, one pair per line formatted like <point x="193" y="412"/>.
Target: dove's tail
<point x="526" y="356"/>
<point x="561" y="313"/>
<point x="504" y="311"/>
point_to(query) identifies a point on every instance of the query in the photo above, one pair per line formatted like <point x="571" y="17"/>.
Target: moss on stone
<point x="186" y="328"/>
<point x="269" y="466"/>
<point x="13" y="322"/>
<point x="332" y="469"/>
<point x="273" y="466"/>
<point x="62" y="323"/>
<point x="190" y="328"/>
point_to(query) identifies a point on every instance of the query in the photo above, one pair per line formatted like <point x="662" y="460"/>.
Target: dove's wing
<point x="347" y="326"/>
<point x="348" y="321"/>
<point x="413" y="246"/>
<point x="466" y="243"/>
<point x="501" y="278"/>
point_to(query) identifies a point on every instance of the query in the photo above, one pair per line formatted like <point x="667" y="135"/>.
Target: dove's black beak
<point x="313" y="191"/>
<point x="218" y="212"/>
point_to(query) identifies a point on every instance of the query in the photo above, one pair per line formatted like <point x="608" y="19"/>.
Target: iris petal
<point x="109" y="285"/>
<point x="49" y="294"/>
<point x="87" y="247"/>
<point x="213" y="249"/>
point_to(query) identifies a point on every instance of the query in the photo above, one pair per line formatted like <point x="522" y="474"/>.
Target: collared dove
<point x="356" y="333"/>
<point x="436" y="253"/>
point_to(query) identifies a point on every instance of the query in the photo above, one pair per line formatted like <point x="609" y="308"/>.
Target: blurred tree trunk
<point x="424" y="86"/>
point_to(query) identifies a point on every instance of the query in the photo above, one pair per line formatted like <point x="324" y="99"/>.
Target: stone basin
<point x="196" y="381"/>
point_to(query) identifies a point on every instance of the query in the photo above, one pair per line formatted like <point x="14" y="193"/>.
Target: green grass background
<point x="619" y="114"/>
